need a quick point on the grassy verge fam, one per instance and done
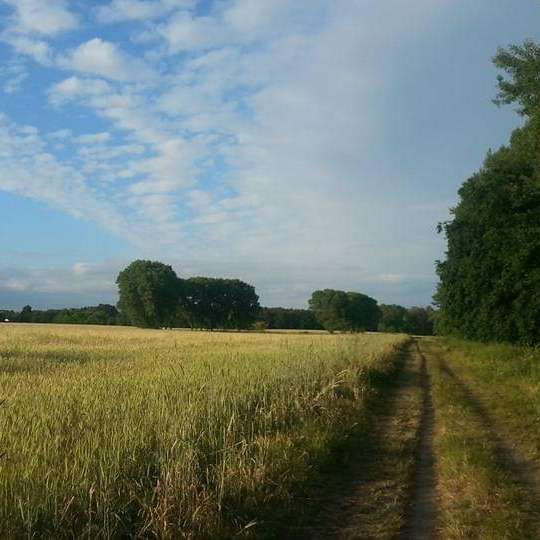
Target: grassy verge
(483, 487)
(508, 379)
(123, 432)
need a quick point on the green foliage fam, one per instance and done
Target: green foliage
(490, 281)
(26, 314)
(149, 293)
(420, 321)
(330, 308)
(415, 320)
(289, 319)
(522, 64)
(101, 314)
(393, 318)
(7, 314)
(217, 303)
(362, 312)
(345, 311)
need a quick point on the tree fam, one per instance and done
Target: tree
(522, 64)
(414, 320)
(419, 321)
(340, 310)
(26, 314)
(218, 303)
(362, 312)
(330, 308)
(393, 318)
(490, 281)
(289, 319)
(149, 293)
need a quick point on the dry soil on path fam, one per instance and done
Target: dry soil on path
(388, 490)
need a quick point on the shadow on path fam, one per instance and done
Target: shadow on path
(522, 471)
(421, 516)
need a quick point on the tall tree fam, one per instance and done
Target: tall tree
(362, 312)
(25, 314)
(490, 281)
(149, 293)
(330, 308)
(218, 303)
(522, 66)
(340, 310)
(419, 321)
(393, 318)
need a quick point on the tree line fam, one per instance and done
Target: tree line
(101, 314)
(489, 285)
(151, 295)
(419, 321)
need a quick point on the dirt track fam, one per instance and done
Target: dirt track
(389, 490)
(421, 518)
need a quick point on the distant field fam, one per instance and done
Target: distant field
(121, 432)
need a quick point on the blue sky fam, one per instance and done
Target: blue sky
(295, 144)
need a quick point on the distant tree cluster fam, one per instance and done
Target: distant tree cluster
(217, 303)
(288, 319)
(344, 311)
(418, 321)
(153, 296)
(490, 281)
(101, 314)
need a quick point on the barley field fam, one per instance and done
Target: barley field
(121, 432)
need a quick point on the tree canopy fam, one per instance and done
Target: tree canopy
(414, 320)
(490, 281)
(345, 311)
(149, 292)
(522, 66)
(288, 318)
(218, 303)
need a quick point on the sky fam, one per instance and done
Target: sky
(294, 144)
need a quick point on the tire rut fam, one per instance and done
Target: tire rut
(391, 487)
(421, 516)
(524, 471)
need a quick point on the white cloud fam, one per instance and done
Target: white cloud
(129, 10)
(170, 170)
(241, 22)
(75, 87)
(47, 17)
(28, 169)
(36, 49)
(13, 74)
(103, 58)
(185, 32)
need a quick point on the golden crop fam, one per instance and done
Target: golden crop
(110, 431)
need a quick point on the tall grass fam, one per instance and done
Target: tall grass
(125, 432)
